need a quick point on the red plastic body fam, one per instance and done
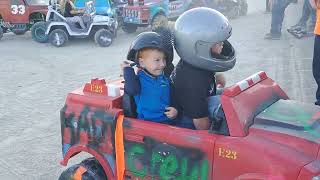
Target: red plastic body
(271, 137)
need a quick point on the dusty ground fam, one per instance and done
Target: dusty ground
(35, 79)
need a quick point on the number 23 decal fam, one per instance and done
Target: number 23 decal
(18, 9)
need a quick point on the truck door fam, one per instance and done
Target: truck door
(159, 151)
(18, 12)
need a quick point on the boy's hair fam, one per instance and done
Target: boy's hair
(140, 52)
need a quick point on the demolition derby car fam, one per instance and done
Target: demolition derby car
(19, 16)
(156, 13)
(57, 29)
(270, 137)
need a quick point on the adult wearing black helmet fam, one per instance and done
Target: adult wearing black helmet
(201, 42)
(150, 87)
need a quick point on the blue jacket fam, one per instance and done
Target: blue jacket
(151, 94)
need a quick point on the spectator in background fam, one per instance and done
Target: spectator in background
(316, 52)
(268, 8)
(70, 12)
(277, 11)
(307, 11)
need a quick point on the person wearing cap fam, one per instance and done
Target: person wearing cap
(200, 39)
(150, 87)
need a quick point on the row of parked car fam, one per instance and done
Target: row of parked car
(106, 16)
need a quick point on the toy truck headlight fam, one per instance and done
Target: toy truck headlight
(316, 178)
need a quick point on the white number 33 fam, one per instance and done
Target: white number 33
(18, 9)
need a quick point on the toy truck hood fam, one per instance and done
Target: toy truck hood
(292, 124)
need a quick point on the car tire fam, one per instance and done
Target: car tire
(58, 37)
(129, 28)
(243, 7)
(38, 32)
(103, 38)
(94, 169)
(1, 32)
(159, 20)
(69, 172)
(91, 170)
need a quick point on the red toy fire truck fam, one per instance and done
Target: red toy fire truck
(270, 137)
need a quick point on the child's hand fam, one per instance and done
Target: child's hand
(171, 112)
(125, 63)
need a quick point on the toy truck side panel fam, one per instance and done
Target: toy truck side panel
(88, 124)
(160, 151)
(256, 157)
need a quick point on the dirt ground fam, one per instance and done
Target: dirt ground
(35, 79)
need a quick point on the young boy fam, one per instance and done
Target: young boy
(150, 87)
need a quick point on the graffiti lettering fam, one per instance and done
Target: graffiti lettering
(164, 165)
(136, 150)
(93, 126)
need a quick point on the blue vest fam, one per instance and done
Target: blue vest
(154, 97)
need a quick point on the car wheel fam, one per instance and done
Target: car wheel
(88, 169)
(159, 21)
(38, 32)
(103, 37)
(58, 37)
(243, 7)
(129, 28)
(94, 170)
(69, 173)
(1, 32)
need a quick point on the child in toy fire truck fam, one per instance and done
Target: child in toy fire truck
(150, 87)
(200, 38)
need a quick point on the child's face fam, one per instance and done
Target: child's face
(153, 60)
(217, 48)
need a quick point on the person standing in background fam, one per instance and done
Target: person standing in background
(307, 11)
(316, 51)
(277, 11)
(268, 8)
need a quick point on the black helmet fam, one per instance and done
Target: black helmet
(149, 40)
